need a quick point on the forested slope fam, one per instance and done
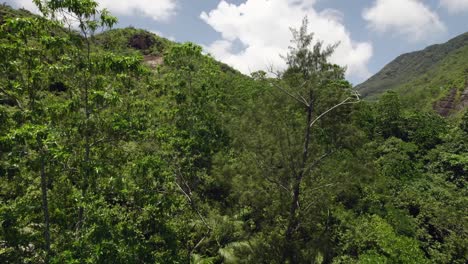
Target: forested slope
(107, 158)
(422, 77)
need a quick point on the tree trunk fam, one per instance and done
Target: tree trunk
(45, 209)
(293, 221)
(86, 158)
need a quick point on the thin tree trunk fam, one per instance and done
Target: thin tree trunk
(293, 221)
(45, 209)
(86, 159)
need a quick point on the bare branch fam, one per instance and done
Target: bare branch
(291, 95)
(345, 101)
(194, 207)
(317, 188)
(185, 193)
(178, 175)
(197, 245)
(298, 98)
(317, 161)
(277, 183)
(262, 166)
(304, 100)
(272, 71)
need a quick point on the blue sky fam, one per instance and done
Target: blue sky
(250, 34)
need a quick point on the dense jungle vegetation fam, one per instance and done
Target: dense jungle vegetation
(106, 159)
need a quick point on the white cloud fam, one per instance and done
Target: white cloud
(159, 33)
(26, 4)
(160, 10)
(262, 27)
(455, 6)
(409, 18)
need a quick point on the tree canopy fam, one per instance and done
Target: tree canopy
(107, 159)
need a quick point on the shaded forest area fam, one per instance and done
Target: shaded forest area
(105, 159)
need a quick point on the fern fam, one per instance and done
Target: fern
(197, 259)
(237, 252)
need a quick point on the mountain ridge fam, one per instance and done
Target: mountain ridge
(414, 73)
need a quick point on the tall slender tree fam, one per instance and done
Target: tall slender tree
(308, 75)
(27, 74)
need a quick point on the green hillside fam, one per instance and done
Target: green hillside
(422, 77)
(7, 12)
(123, 40)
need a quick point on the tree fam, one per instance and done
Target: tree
(318, 88)
(104, 160)
(29, 65)
(82, 14)
(67, 93)
(389, 118)
(194, 133)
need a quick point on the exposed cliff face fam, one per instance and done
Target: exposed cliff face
(446, 105)
(153, 61)
(454, 101)
(142, 41)
(464, 98)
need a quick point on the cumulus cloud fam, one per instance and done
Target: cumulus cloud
(455, 6)
(160, 10)
(159, 33)
(26, 4)
(409, 18)
(262, 30)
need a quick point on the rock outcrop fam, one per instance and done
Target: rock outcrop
(153, 61)
(453, 102)
(446, 105)
(142, 41)
(464, 98)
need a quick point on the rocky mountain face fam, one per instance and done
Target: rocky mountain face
(464, 98)
(454, 101)
(447, 104)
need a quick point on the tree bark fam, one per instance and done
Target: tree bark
(86, 158)
(45, 209)
(293, 221)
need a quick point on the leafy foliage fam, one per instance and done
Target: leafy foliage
(104, 159)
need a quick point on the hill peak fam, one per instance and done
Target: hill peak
(433, 72)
